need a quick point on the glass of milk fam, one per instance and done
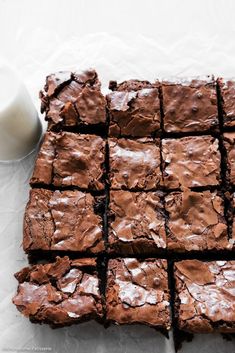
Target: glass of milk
(20, 127)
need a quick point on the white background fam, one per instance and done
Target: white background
(121, 39)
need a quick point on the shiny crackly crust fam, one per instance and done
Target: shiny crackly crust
(205, 296)
(191, 161)
(134, 164)
(62, 220)
(196, 221)
(71, 99)
(134, 108)
(67, 159)
(59, 293)
(229, 143)
(227, 90)
(190, 107)
(137, 223)
(131, 85)
(137, 292)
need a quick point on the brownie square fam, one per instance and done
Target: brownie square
(196, 222)
(62, 220)
(227, 101)
(60, 293)
(137, 292)
(190, 106)
(229, 143)
(204, 300)
(134, 164)
(73, 99)
(67, 159)
(136, 222)
(134, 109)
(192, 161)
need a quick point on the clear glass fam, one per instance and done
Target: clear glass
(20, 126)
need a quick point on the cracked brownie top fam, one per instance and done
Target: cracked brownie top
(191, 161)
(227, 100)
(190, 106)
(134, 108)
(196, 221)
(73, 99)
(205, 296)
(229, 143)
(59, 293)
(62, 220)
(134, 164)
(137, 223)
(137, 292)
(68, 159)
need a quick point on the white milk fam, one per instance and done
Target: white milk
(20, 127)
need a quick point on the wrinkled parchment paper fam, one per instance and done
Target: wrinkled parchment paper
(114, 57)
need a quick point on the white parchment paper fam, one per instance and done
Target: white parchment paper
(114, 57)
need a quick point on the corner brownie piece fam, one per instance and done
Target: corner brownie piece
(137, 292)
(227, 101)
(134, 164)
(62, 220)
(204, 300)
(196, 222)
(134, 108)
(73, 99)
(229, 143)
(136, 222)
(67, 159)
(191, 162)
(60, 293)
(190, 106)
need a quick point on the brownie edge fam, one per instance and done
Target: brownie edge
(73, 100)
(190, 106)
(205, 296)
(60, 293)
(67, 160)
(62, 221)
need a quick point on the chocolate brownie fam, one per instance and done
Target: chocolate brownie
(196, 221)
(190, 106)
(229, 143)
(227, 101)
(136, 222)
(134, 109)
(60, 293)
(192, 161)
(134, 164)
(67, 159)
(137, 292)
(62, 220)
(232, 221)
(131, 85)
(73, 99)
(205, 296)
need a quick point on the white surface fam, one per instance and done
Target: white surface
(142, 39)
